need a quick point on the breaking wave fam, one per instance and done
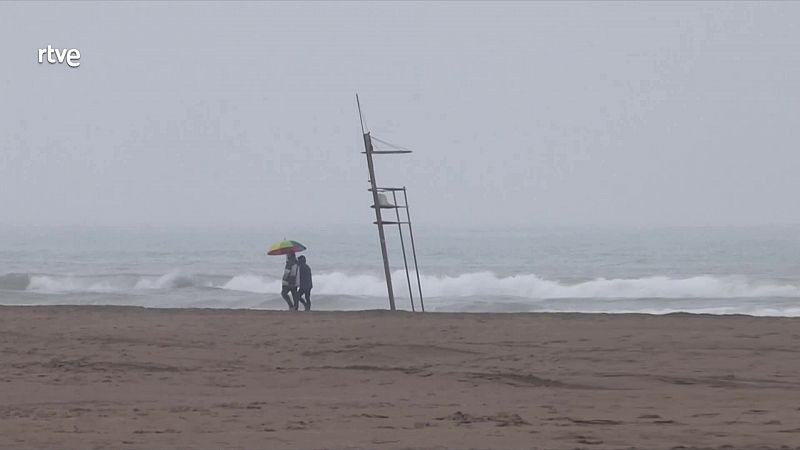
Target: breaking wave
(478, 284)
(469, 292)
(54, 284)
(486, 284)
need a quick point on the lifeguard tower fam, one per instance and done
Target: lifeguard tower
(380, 202)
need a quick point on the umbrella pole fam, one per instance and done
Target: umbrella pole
(403, 247)
(379, 221)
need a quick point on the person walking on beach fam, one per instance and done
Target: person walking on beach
(305, 284)
(290, 273)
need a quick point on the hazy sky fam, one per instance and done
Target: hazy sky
(519, 113)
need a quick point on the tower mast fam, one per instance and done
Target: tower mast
(378, 220)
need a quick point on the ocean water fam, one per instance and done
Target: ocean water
(711, 270)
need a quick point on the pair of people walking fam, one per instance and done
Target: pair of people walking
(297, 281)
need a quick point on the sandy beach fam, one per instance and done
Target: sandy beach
(89, 377)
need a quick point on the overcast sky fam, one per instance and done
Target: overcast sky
(519, 113)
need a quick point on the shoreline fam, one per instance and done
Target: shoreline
(133, 377)
(212, 310)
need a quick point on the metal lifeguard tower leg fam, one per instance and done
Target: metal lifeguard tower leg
(403, 247)
(413, 248)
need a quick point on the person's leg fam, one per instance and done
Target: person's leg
(305, 302)
(308, 299)
(295, 297)
(299, 298)
(285, 294)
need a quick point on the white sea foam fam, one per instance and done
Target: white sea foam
(57, 284)
(54, 284)
(531, 286)
(477, 284)
(172, 280)
(252, 283)
(469, 292)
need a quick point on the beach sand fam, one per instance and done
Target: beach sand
(124, 377)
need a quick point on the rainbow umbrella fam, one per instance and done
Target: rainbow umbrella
(285, 246)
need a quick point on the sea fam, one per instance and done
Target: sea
(653, 270)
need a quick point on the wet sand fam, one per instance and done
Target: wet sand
(84, 377)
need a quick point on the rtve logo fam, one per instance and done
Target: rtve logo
(55, 56)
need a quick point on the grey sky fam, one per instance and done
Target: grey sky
(519, 113)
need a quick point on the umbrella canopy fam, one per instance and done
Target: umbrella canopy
(285, 246)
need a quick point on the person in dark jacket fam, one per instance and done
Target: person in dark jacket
(305, 284)
(290, 273)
